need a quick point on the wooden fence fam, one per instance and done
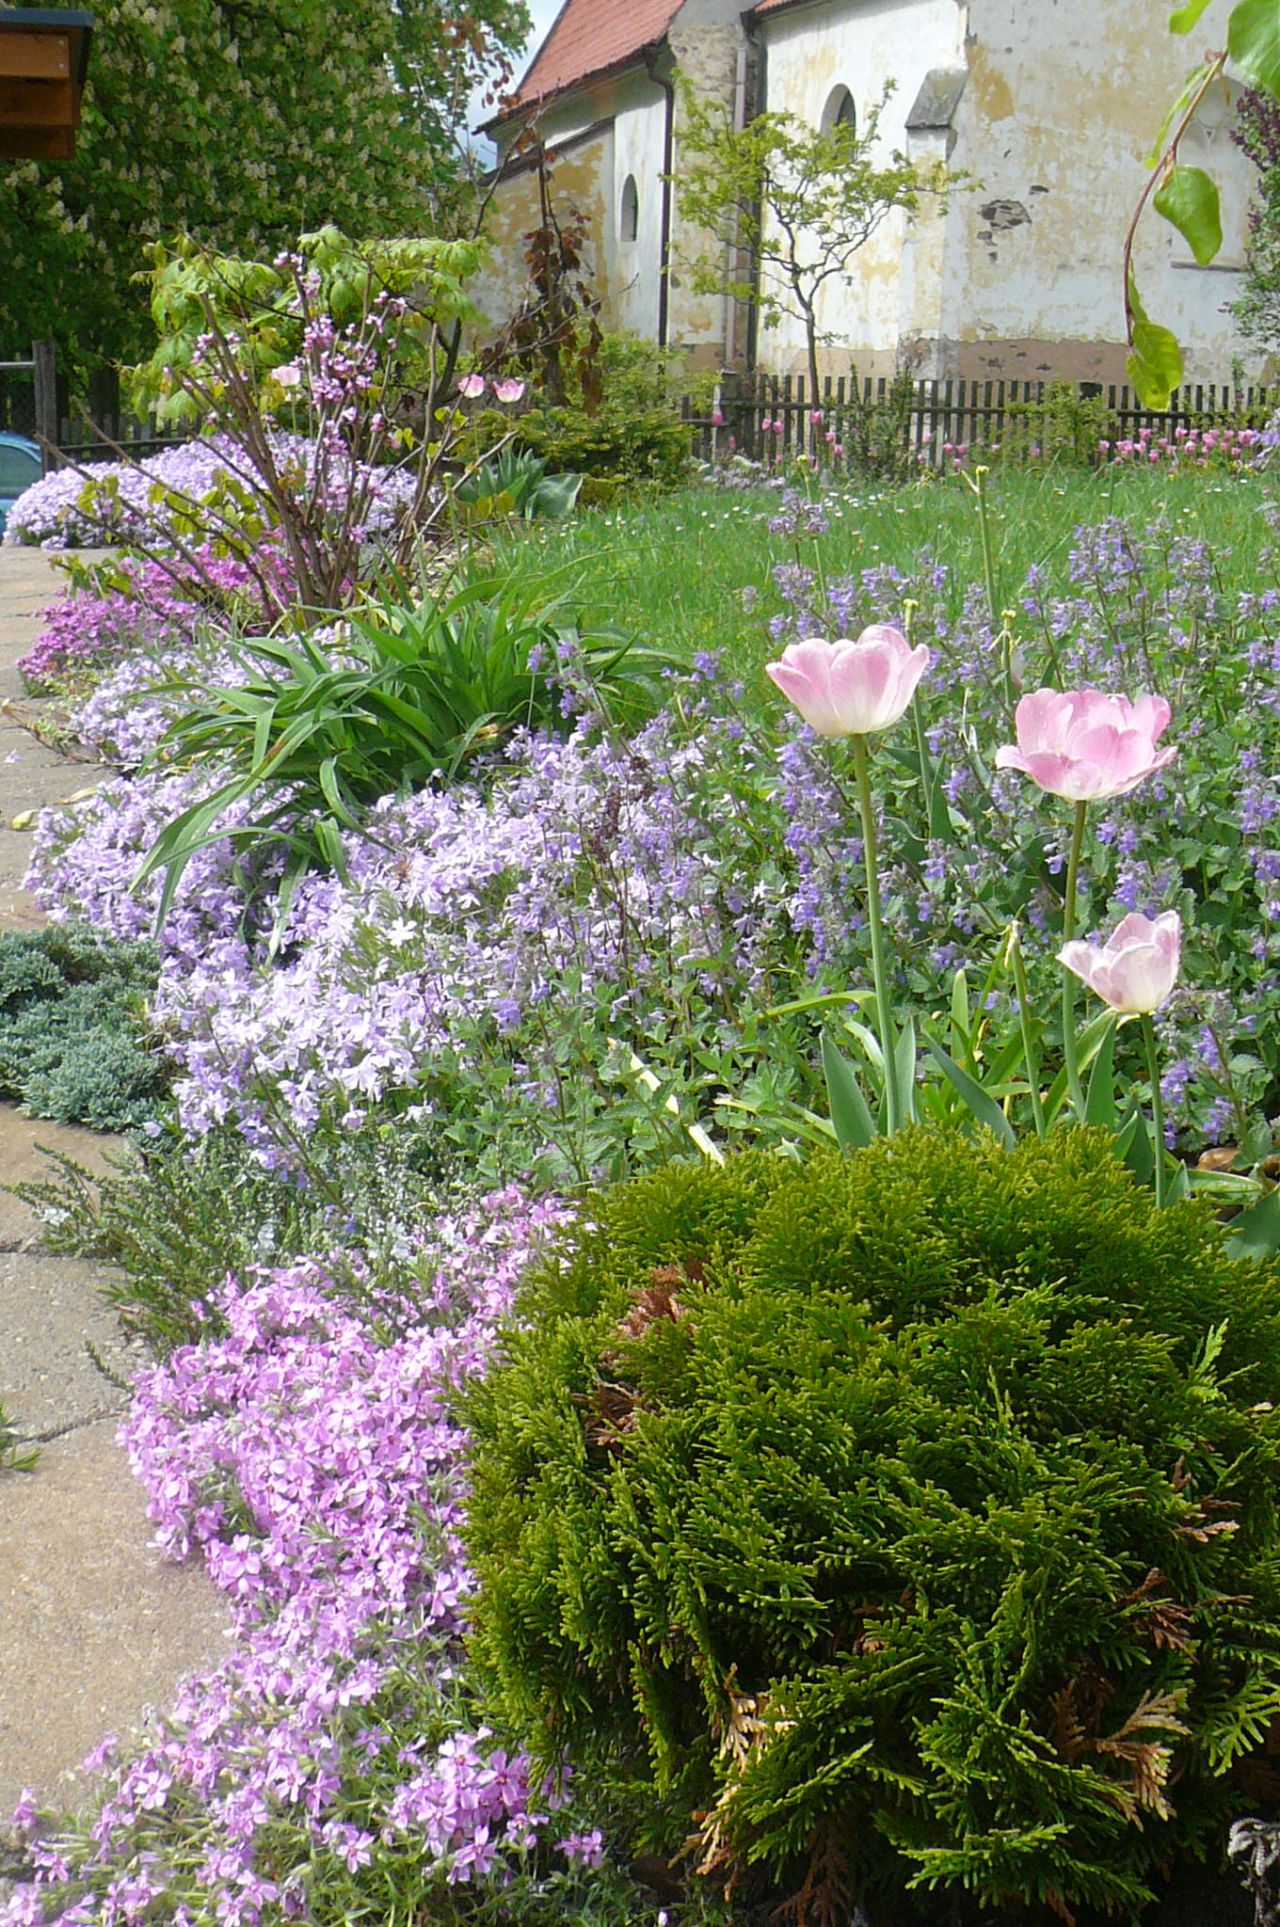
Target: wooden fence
(769, 417)
(34, 401)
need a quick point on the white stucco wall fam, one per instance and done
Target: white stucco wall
(639, 136)
(863, 45)
(1054, 126)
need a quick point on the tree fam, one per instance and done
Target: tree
(241, 123)
(1187, 197)
(787, 206)
(1257, 131)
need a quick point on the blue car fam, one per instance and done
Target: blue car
(20, 466)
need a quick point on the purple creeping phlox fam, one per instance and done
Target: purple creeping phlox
(309, 1456)
(115, 502)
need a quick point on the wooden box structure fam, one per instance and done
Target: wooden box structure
(44, 54)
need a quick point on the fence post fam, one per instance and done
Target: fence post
(44, 360)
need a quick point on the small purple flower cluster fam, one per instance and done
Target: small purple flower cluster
(153, 608)
(309, 1454)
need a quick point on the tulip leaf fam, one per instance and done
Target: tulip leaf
(1253, 41)
(1100, 1103)
(1188, 199)
(854, 1124)
(960, 1008)
(1256, 1232)
(1133, 1146)
(904, 1071)
(1155, 362)
(983, 1107)
(1179, 1185)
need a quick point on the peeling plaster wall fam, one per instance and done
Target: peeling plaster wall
(1053, 125)
(628, 117)
(862, 44)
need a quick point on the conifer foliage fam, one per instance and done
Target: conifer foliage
(896, 1529)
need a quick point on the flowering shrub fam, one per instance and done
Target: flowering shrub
(309, 1455)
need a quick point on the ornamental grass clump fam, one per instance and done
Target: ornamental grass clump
(898, 1530)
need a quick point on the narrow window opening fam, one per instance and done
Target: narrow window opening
(629, 217)
(840, 111)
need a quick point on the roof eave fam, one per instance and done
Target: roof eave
(530, 109)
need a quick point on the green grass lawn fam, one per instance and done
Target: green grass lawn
(675, 568)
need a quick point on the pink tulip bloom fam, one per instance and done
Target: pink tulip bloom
(851, 688)
(509, 390)
(717, 418)
(1086, 745)
(815, 416)
(1136, 968)
(472, 386)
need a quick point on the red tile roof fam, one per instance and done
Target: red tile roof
(773, 6)
(589, 36)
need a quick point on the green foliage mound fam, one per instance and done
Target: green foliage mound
(900, 1528)
(73, 1039)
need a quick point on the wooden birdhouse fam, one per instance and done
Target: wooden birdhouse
(44, 54)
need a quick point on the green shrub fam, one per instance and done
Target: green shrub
(902, 1523)
(74, 1044)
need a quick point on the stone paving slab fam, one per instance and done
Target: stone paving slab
(94, 1627)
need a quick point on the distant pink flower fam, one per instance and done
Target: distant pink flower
(1136, 968)
(509, 390)
(1085, 745)
(717, 418)
(815, 416)
(766, 426)
(289, 374)
(472, 387)
(851, 688)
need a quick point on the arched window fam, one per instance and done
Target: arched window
(629, 212)
(840, 111)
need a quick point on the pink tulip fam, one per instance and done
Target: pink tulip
(1136, 968)
(851, 688)
(717, 418)
(472, 386)
(509, 390)
(1086, 745)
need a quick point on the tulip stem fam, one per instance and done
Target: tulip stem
(1069, 1054)
(1023, 995)
(1157, 1107)
(879, 962)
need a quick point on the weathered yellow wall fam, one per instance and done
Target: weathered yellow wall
(1054, 125)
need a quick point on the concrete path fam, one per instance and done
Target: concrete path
(94, 1628)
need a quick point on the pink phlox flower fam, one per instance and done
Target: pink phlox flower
(1136, 968)
(1085, 745)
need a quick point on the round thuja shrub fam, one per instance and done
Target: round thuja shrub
(894, 1530)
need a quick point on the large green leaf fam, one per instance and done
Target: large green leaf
(1188, 198)
(1256, 1232)
(1184, 17)
(1253, 41)
(1155, 364)
(854, 1124)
